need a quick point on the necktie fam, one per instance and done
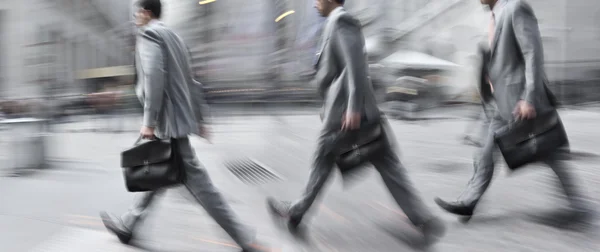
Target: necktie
(319, 44)
(492, 29)
(491, 32)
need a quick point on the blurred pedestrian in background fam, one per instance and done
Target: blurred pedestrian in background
(174, 108)
(349, 107)
(518, 85)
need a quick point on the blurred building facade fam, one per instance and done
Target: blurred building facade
(47, 44)
(66, 46)
(69, 46)
(452, 30)
(265, 43)
(235, 41)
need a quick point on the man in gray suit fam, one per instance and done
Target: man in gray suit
(516, 72)
(343, 81)
(174, 107)
(485, 92)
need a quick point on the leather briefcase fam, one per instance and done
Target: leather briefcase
(151, 165)
(528, 141)
(359, 146)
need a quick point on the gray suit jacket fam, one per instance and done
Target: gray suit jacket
(173, 101)
(516, 64)
(342, 72)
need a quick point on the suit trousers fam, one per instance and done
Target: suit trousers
(479, 127)
(388, 165)
(486, 156)
(199, 184)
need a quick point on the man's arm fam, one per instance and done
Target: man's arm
(347, 37)
(485, 87)
(153, 69)
(201, 109)
(200, 106)
(529, 40)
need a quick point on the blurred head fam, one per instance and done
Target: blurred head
(147, 10)
(488, 2)
(325, 7)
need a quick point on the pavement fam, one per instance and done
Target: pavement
(56, 209)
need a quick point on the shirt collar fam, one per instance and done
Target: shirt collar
(497, 10)
(336, 10)
(151, 23)
(329, 21)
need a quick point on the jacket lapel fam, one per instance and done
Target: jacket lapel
(497, 31)
(326, 34)
(323, 41)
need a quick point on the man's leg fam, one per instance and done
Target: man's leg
(321, 170)
(482, 175)
(559, 165)
(124, 227)
(476, 130)
(322, 167)
(395, 178)
(486, 120)
(139, 208)
(198, 182)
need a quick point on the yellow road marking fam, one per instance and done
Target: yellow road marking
(226, 244)
(86, 222)
(231, 245)
(333, 214)
(323, 245)
(396, 211)
(84, 217)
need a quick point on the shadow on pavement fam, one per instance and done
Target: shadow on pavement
(405, 234)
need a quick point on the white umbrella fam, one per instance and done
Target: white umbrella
(416, 60)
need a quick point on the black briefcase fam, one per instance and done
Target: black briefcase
(528, 141)
(151, 165)
(359, 146)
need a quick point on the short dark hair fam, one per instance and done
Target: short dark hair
(340, 1)
(154, 6)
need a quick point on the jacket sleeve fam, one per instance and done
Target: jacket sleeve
(153, 69)
(198, 99)
(350, 52)
(528, 38)
(485, 90)
(201, 108)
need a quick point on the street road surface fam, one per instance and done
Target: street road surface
(56, 209)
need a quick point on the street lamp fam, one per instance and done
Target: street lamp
(206, 1)
(284, 15)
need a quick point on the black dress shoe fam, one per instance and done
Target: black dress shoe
(457, 208)
(115, 225)
(433, 230)
(281, 210)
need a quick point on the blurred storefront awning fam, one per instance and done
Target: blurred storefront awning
(416, 60)
(374, 46)
(106, 72)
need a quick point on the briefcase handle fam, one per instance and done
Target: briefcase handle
(139, 139)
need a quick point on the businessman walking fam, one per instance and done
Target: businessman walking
(343, 82)
(477, 131)
(174, 107)
(516, 72)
